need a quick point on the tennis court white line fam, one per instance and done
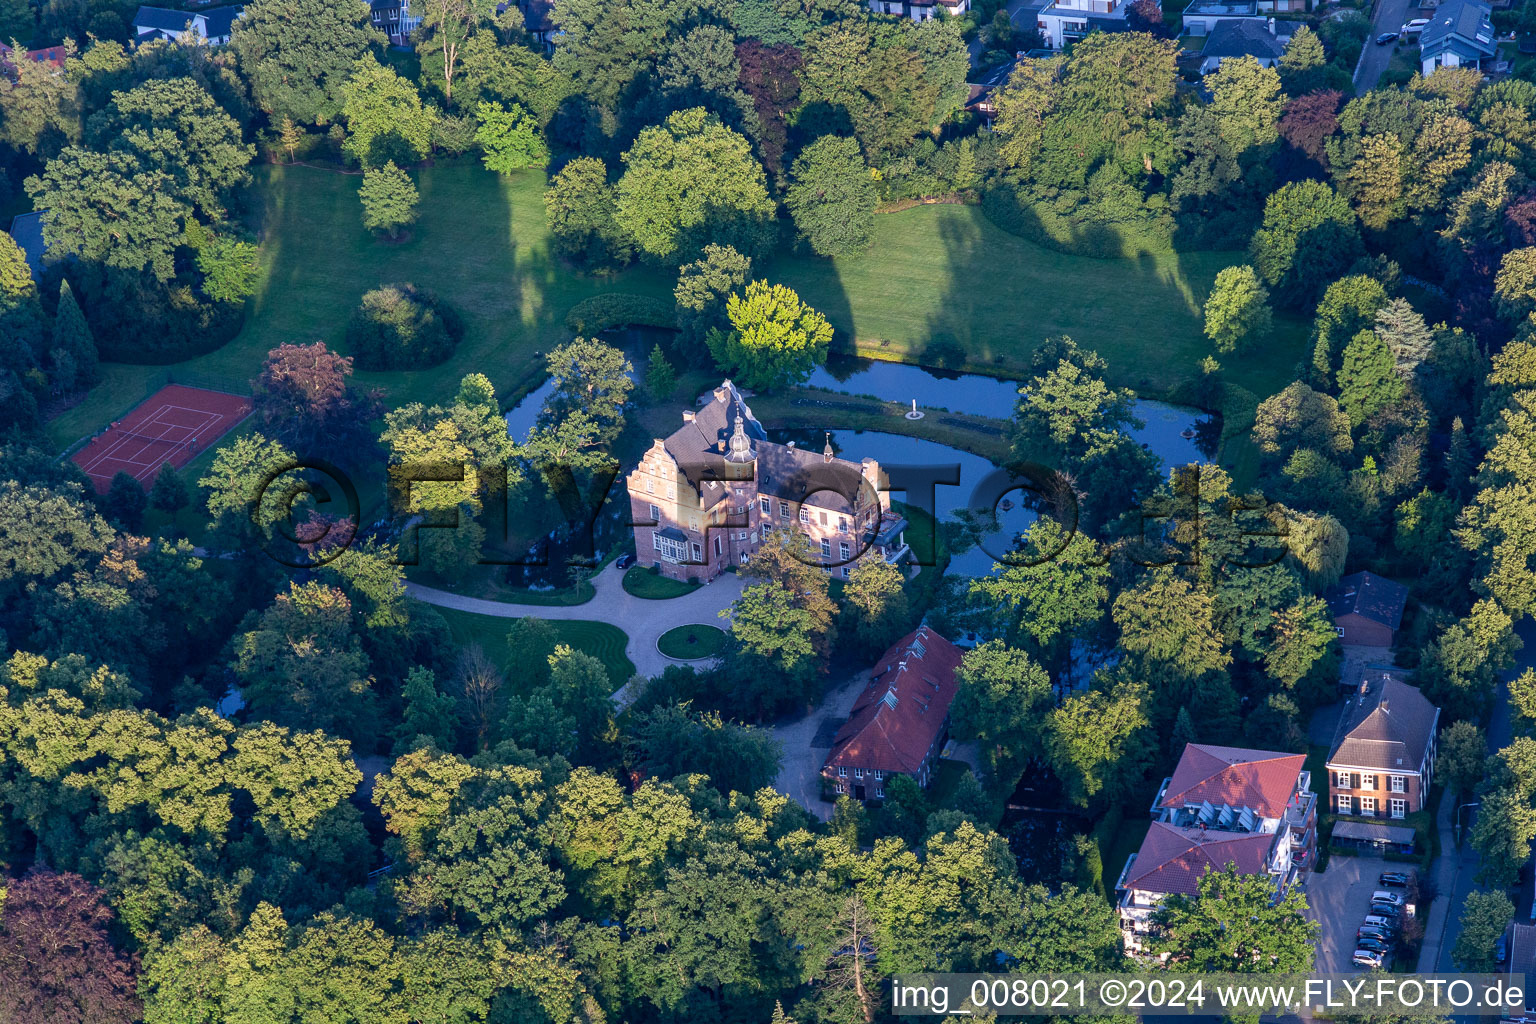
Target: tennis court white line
(145, 442)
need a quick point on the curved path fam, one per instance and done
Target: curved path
(641, 620)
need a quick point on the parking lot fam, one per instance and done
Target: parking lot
(1338, 900)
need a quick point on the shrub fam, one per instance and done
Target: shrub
(402, 327)
(620, 309)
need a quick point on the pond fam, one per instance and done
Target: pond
(1175, 434)
(636, 343)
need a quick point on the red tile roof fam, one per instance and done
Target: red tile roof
(1261, 779)
(900, 714)
(1172, 859)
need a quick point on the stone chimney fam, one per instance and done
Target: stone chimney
(687, 415)
(723, 392)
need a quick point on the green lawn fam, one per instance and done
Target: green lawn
(650, 585)
(691, 642)
(481, 244)
(944, 272)
(599, 639)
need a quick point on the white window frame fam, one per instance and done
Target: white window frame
(1399, 783)
(805, 515)
(1368, 806)
(655, 513)
(1344, 804)
(766, 505)
(783, 510)
(826, 548)
(846, 574)
(858, 773)
(842, 771)
(1398, 807)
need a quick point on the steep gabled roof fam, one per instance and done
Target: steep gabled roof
(1238, 777)
(219, 21)
(162, 19)
(902, 711)
(1172, 859)
(1369, 596)
(1388, 727)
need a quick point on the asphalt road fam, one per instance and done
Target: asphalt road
(1391, 15)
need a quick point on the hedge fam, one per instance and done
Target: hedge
(621, 309)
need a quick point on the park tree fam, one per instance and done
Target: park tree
(109, 208)
(660, 377)
(1406, 334)
(448, 25)
(1477, 213)
(1300, 418)
(690, 181)
(1515, 286)
(1100, 743)
(47, 532)
(298, 54)
(1003, 701)
(57, 961)
(604, 44)
(1031, 94)
(1308, 237)
(1302, 63)
(169, 493)
(1237, 311)
(389, 199)
(591, 379)
(770, 76)
(1054, 592)
(1169, 625)
(775, 340)
(580, 208)
(236, 485)
(1301, 636)
(876, 599)
(703, 287)
(1439, 158)
(1502, 834)
(385, 117)
(1235, 924)
(72, 336)
(1368, 378)
(1522, 697)
(1484, 917)
(832, 197)
(230, 267)
(304, 667)
(671, 741)
(175, 131)
(303, 399)
(1374, 181)
(125, 502)
(1246, 99)
(1462, 757)
(510, 138)
(1348, 306)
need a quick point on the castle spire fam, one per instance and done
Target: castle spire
(740, 444)
(826, 453)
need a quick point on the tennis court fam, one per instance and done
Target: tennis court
(172, 425)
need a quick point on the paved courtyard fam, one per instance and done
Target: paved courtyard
(806, 741)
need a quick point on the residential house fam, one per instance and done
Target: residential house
(538, 21)
(212, 26)
(53, 55)
(980, 94)
(920, 10)
(1202, 16)
(1234, 38)
(1383, 754)
(1253, 809)
(1460, 34)
(395, 19)
(900, 722)
(1367, 609)
(705, 497)
(1521, 939)
(1062, 22)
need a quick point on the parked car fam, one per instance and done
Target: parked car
(1374, 945)
(1395, 879)
(1378, 921)
(625, 561)
(1367, 958)
(1415, 27)
(1385, 38)
(1394, 899)
(1369, 932)
(1501, 950)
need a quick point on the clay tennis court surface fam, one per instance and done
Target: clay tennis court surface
(173, 425)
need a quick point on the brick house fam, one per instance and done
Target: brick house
(1254, 809)
(1367, 609)
(704, 498)
(1382, 759)
(900, 722)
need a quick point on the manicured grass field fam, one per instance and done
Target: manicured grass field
(652, 586)
(603, 641)
(707, 641)
(932, 274)
(947, 273)
(481, 243)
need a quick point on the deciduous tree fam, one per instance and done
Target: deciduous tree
(832, 197)
(776, 339)
(1237, 311)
